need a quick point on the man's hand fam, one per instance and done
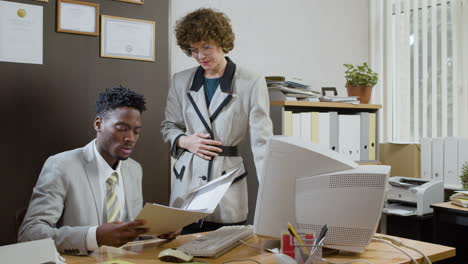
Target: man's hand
(199, 145)
(118, 233)
(170, 236)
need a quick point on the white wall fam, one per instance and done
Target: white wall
(309, 39)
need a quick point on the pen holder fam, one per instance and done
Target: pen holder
(306, 253)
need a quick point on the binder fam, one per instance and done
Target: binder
(372, 136)
(451, 163)
(438, 159)
(324, 129)
(288, 123)
(426, 158)
(462, 156)
(349, 137)
(355, 144)
(364, 135)
(334, 131)
(296, 130)
(314, 132)
(306, 123)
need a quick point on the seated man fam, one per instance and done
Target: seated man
(88, 197)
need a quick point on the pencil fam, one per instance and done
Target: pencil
(293, 232)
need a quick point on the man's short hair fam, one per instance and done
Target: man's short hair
(113, 98)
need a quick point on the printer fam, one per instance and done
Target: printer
(412, 196)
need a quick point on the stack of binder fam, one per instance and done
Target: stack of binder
(352, 135)
(443, 158)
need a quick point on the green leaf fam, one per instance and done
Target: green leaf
(360, 75)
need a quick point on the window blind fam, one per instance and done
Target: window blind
(424, 57)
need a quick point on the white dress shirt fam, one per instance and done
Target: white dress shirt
(104, 171)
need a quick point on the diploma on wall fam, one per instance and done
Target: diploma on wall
(198, 204)
(127, 38)
(78, 17)
(20, 33)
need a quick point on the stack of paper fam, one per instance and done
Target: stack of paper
(342, 99)
(281, 89)
(460, 198)
(198, 204)
(32, 252)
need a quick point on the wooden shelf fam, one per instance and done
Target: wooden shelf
(327, 105)
(369, 163)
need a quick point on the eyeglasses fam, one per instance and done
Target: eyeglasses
(205, 50)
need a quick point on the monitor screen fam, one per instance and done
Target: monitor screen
(309, 185)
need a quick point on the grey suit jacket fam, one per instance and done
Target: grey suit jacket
(66, 200)
(240, 107)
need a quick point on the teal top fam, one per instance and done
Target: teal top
(210, 88)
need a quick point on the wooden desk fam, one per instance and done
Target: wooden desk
(451, 228)
(145, 252)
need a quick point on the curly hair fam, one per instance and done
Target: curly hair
(205, 24)
(113, 98)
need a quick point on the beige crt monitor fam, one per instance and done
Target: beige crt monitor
(309, 186)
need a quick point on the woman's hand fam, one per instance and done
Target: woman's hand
(199, 145)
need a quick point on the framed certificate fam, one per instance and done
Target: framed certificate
(42, 0)
(78, 17)
(140, 2)
(21, 33)
(127, 38)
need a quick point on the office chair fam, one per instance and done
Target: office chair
(19, 217)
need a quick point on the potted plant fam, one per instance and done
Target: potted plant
(464, 176)
(359, 81)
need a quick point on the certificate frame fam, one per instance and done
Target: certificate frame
(75, 28)
(136, 43)
(138, 2)
(45, 1)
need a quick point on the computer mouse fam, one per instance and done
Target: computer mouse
(174, 255)
(284, 259)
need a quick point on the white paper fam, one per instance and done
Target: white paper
(77, 17)
(128, 38)
(209, 195)
(198, 204)
(398, 209)
(21, 33)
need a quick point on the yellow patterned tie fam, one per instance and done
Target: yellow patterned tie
(112, 203)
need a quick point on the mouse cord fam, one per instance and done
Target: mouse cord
(252, 245)
(400, 243)
(397, 247)
(242, 260)
(347, 262)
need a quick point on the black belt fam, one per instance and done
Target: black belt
(228, 151)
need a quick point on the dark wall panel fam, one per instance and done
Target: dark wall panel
(49, 108)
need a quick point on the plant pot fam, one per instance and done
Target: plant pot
(363, 91)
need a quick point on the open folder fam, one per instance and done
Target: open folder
(198, 204)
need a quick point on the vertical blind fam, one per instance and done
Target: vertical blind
(424, 68)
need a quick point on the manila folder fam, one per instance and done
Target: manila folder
(163, 219)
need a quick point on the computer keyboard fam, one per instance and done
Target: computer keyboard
(218, 242)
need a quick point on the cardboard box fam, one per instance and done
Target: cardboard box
(405, 159)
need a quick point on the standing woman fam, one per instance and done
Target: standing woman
(210, 109)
